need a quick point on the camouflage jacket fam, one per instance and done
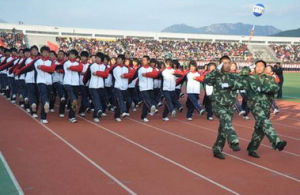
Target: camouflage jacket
(268, 88)
(224, 97)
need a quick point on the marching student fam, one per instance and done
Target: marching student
(270, 72)
(44, 67)
(132, 89)
(9, 61)
(110, 98)
(84, 90)
(57, 79)
(120, 76)
(145, 74)
(178, 87)
(29, 71)
(22, 91)
(193, 86)
(206, 100)
(169, 84)
(96, 86)
(156, 82)
(71, 82)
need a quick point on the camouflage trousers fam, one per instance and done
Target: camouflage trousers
(226, 130)
(263, 126)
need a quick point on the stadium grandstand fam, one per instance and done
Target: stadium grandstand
(184, 47)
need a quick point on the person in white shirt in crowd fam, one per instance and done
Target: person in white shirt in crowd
(44, 68)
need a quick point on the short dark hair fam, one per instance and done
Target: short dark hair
(26, 50)
(176, 63)
(34, 47)
(73, 51)
(53, 52)
(224, 57)
(100, 55)
(169, 61)
(147, 57)
(84, 54)
(61, 51)
(211, 64)
(106, 57)
(193, 63)
(258, 61)
(45, 48)
(13, 50)
(121, 56)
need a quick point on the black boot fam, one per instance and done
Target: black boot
(253, 154)
(235, 147)
(280, 145)
(219, 155)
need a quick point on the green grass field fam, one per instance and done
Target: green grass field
(8, 184)
(291, 87)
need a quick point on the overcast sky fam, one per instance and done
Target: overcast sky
(151, 15)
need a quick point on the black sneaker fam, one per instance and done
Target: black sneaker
(253, 154)
(280, 145)
(219, 155)
(235, 147)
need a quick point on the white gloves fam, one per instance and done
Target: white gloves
(224, 85)
(219, 67)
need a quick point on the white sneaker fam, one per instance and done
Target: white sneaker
(28, 110)
(103, 114)
(189, 119)
(180, 109)
(173, 113)
(134, 109)
(124, 114)
(44, 121)
(61, 115)
(246, 117)
(159, 104)
(13, 101)
(62, 99)
(276, 111)
(202, 111)
(96, 120)
(52, 110)
(166, 119)
(152, 110)
(132, 105)
(210, 118)
(35, 115)
(242, 112)
(22, 105)
(33, 107)
(73, 120)
(82, 114)
(118, 119)
(46, 107)
(145, 120)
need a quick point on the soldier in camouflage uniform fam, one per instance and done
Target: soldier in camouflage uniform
(261, 89)
(225, 86)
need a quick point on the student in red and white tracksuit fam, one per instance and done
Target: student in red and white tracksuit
(84, 90)
(29, 71)
(169, 83)
(96, 86)
(108, 83)
(193, 86)
(120, 78)
(145, 74)
(269, 71)
(57, 79)
(71, 82)
(44, 68)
